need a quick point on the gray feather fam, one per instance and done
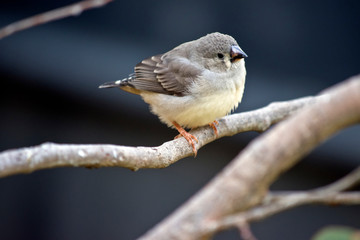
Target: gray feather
(165, 74)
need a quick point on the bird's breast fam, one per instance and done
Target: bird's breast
(209, 99)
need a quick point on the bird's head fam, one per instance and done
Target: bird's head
(217, 52)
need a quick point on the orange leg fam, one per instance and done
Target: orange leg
(213, 125)
(190, 138)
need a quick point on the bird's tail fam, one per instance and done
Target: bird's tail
(118, 83)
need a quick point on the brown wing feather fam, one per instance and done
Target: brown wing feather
(145, 78)
(176, 75)
(164, 74)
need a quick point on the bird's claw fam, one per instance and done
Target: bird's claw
(213, 126)
(189, 137)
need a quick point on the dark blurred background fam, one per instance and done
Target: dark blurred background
(49, 92)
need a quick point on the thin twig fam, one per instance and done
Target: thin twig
(280, 202)
(347, 182)
(277, 202)
(56, 14)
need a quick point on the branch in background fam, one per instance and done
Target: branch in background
(280, 201)
(71, 10)
(275, 203)
(244, 183)
(347, 182)
(49, 155)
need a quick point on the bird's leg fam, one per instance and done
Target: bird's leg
(190, 138)
(213, 125)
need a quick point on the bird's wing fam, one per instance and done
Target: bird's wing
(165, 74)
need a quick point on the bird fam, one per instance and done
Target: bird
(192, 85)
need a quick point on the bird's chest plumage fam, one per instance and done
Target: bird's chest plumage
(206, 109)
(212, 96)
(194, 111)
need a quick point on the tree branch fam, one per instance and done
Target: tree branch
(244, 183)
(347, 182)
(49, 155)
(280, 201)
(56, 14)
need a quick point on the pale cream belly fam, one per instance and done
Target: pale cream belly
(192, 112)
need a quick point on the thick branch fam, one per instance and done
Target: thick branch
(244, 182)
(56, 14)
(49, 155)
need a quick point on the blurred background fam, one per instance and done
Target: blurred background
(49, 92)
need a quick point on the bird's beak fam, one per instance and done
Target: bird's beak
(236, 53)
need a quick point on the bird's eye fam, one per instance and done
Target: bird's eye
(220, 55)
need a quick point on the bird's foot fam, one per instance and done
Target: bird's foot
(189, 137)
(213, 125)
